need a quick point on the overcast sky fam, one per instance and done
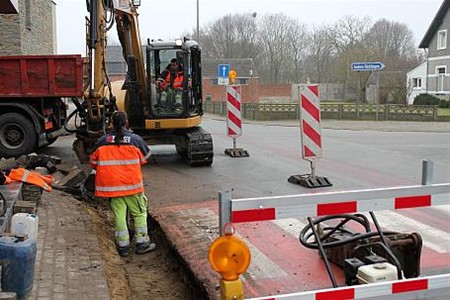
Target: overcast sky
(170, 18)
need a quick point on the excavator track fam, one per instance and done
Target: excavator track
(196, 147)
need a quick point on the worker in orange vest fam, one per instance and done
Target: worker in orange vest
(117, 159)
(168, 76)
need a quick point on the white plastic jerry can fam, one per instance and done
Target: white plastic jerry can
(23, 223)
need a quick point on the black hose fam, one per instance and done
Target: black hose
(322, 252)
(70, 116)
(359, 218)
(305, 235)
(108, 5)
(387, 247)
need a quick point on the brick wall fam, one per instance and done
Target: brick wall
(250, 92)
(30, 32)
(9, 43)
(275, 90)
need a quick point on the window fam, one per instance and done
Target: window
(242, 80)
(440, 71)
(215, 81)
(442, 39)
(417, 83)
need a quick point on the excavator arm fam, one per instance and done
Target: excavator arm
(98, 103)
(137, 102)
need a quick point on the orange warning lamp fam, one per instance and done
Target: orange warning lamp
(232, 76)
(229, 256)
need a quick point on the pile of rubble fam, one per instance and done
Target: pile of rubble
(67, 177)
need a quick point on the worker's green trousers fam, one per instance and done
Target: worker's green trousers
(137, 206)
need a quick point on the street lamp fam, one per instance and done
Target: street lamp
(198, 19)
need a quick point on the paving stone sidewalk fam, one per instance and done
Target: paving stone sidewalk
(68, 260)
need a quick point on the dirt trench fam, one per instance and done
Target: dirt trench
(155, 275)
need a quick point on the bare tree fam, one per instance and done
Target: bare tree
(349, 32)
(232, 36)
(275, 43)
(225, 38)
(347, 35)
(391, 42)
(298, 40)
(320, 50)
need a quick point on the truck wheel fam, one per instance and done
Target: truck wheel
(17, 135)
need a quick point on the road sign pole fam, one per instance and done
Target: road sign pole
(378, 93)
(359, 95)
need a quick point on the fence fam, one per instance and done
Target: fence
(339, 111)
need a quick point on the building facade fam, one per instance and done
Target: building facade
(437, 44)
(416, 82)
(30, 32)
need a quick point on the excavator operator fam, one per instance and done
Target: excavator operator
(171, 77)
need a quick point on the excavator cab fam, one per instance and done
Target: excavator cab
(180, 94)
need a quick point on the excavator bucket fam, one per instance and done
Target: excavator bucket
(236, 152)
(310, 181)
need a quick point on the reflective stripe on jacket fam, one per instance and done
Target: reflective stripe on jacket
(24, 175)
(118, 168)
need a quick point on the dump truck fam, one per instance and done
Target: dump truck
(33, 89)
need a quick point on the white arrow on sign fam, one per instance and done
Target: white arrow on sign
(224, 71)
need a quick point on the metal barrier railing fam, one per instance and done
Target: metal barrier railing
(344, 202)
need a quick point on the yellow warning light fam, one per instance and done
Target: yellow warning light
(232, 76)
(229, 256)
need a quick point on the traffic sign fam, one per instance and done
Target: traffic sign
(223, 70)
(367, 66)
(223, 81)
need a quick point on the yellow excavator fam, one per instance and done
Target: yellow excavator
(169, 116)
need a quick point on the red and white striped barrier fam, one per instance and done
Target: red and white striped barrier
(332, 203)
(311, 136)
(234, 119)
(310, 126)
(414, 287)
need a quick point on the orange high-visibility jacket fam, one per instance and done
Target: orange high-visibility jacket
(24, 175)
(118, 166)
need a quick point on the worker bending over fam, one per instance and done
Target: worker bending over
(117, 159)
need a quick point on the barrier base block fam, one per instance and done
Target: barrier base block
(309, 181)
(236, 152)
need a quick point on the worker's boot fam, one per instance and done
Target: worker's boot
(146, 247)
(123, 251)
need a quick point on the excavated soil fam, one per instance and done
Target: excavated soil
(154, 275)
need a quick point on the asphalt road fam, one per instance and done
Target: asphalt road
(352, 159)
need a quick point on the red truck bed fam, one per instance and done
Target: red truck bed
(41, 76)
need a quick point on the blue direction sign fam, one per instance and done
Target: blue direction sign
(223, 70)
(367, 66)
